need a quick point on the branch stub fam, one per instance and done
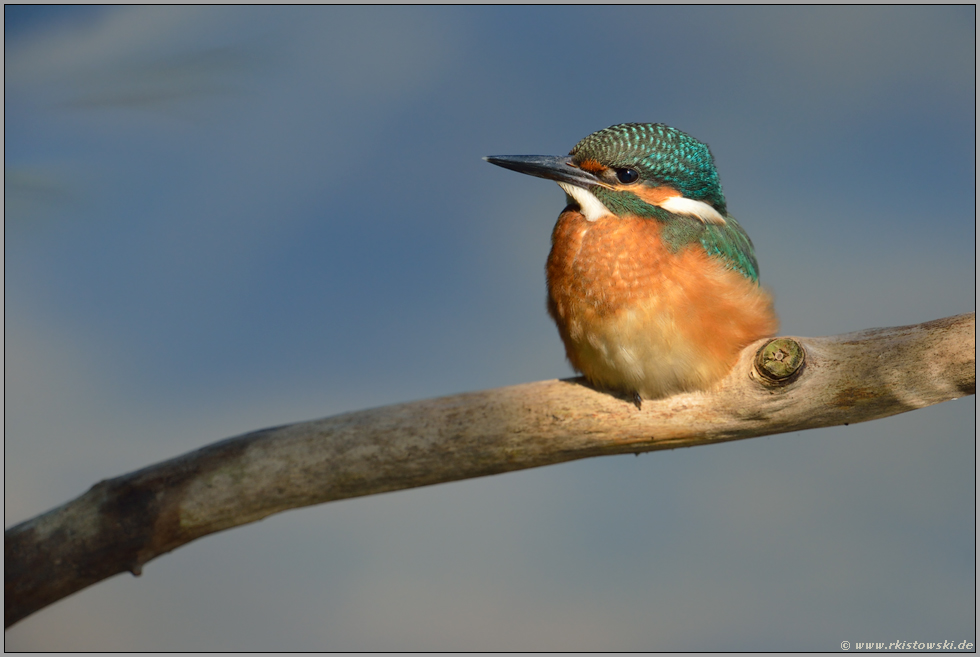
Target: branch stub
(780, 360)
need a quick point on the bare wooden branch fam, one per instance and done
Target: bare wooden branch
(782, 385)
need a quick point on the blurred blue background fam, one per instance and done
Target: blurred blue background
(220, 219)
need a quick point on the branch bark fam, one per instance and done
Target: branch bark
(780, 385)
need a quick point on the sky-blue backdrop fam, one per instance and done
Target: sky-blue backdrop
(221, 219)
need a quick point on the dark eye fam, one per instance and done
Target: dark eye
(627, 176)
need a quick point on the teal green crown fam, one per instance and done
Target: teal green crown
(661, 155)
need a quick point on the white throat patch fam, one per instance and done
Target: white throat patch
(592, 208)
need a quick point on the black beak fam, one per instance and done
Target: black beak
(559, 168)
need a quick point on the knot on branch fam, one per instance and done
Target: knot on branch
(780, 361)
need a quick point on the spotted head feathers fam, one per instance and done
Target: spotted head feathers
(663, 156)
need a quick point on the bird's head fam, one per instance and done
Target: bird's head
(638, 169)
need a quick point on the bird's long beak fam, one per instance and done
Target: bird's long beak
(559, 168)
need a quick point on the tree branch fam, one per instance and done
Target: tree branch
(777, 386)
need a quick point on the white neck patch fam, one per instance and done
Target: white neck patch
(699, 209)
(592, 208)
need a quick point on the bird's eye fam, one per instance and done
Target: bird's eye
(627, 176)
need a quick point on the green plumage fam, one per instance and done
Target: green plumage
(667, 157)
(729, 242)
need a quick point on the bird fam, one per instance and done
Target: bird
(653, 286)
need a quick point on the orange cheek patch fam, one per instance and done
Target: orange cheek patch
(652, 195)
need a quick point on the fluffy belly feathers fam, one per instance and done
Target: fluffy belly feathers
(638, 318)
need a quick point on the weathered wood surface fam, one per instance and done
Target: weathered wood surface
(800, 383)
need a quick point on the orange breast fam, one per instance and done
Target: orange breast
(636, 317)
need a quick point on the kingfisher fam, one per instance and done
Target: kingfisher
(654, 287)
